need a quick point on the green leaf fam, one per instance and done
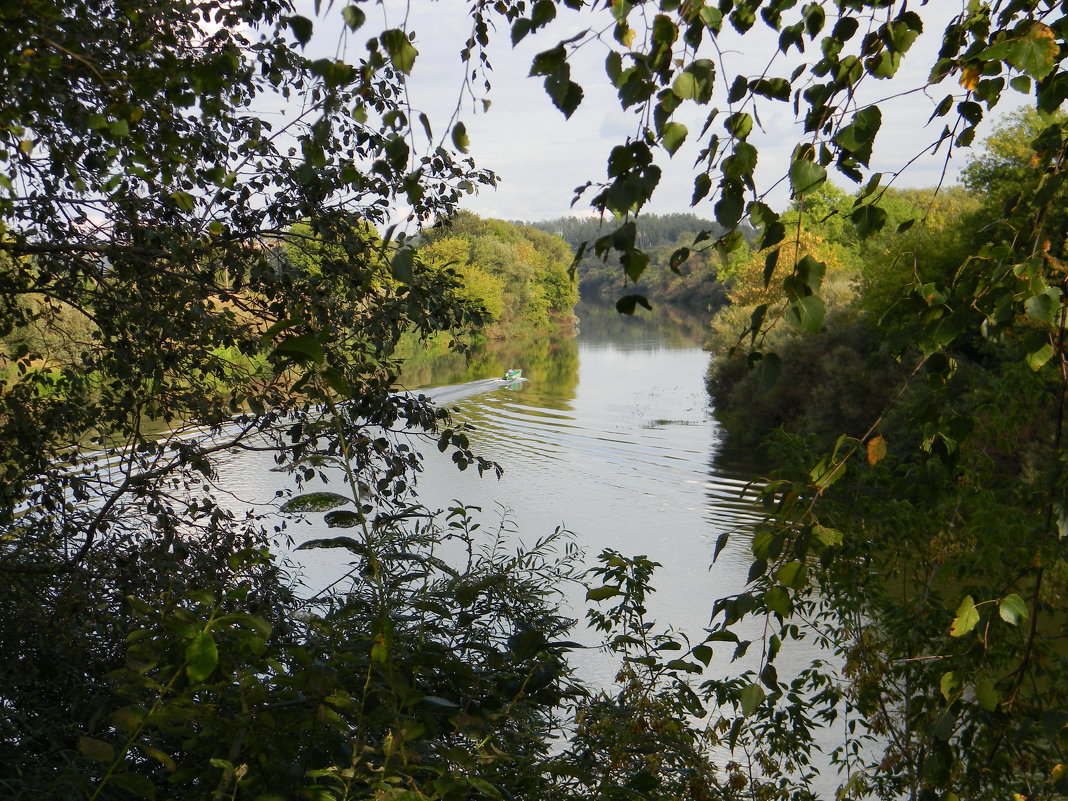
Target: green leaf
(401, 51)
(520, 28)
(674, 134)
(634, 263)
(986, 694)
(806, 314)
(127, 718)
(1037, 358)
(565, 93)
(728, 208)
(685, 85)
(684, 665)
(1044, 306)
(1013, 609)
(751, 698)
(951, 684)
(133, 783)
(96, 749)
(859, 135)
(334, 542)
(1036, 53)
(792, 574)
(549, 61)
(739, 87)
(201, 657)
(777, 600)
(739, 125)
(628, 304)
(354, 17)
(702, 184)
(303, 347)
(601, 593)
(402, 266)
(315, 502)
(302, 29)
(484, 787)
(439, 702)
(459, 137)
(342, 519)
(967, 618)
(183, 200)
(868, 219)
(805, 176)
(775, 88)
(828, 536)
(163, 758)
(1021, 83)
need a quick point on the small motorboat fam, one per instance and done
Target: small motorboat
(512, 375)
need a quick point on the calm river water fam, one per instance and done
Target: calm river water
(610, 436)
(613, 438)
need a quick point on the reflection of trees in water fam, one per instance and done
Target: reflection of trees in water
(674, 326)
(550, 362)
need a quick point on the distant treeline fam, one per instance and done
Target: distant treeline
(693, 283)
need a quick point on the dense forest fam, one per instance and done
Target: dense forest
(953, 407)
(517, 274)
(208, 228)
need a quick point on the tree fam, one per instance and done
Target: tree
(521, 273)
(182, 278)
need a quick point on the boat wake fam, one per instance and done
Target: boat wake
(448, 395)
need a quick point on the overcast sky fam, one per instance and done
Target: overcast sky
(540, 157)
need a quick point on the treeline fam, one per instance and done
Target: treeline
(693, 283)
(517, 274)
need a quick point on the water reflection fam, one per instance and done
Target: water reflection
(549, 361)
(613, 437)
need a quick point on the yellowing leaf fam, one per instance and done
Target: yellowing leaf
(969, 79)
(950, 684)
(876, 449)
(967, 618)
(1036, 53)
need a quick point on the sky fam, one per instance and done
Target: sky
(540, 157)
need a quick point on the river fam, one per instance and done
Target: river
(613, 438)
(610, 435)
